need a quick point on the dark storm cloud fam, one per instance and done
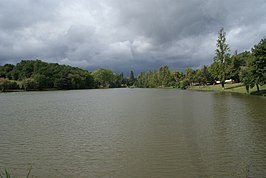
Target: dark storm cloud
(124, 34)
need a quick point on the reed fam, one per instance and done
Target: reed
(7, 174)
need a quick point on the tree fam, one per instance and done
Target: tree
(246, 77)
(221, 55)
(259, 64)
(3, 84)
(213, 70)
(28, 84)
(40, 81)
(6, 84)
(150, 79)
(116, 81)
(103, 77)
(164, 76)
(176, 76)
(235, 63)
(155, 78)
(5, 71)
(141, 80)
(189, 76)
(183, 84)
(131, 78)
(206, 76)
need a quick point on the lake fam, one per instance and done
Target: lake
(132, 133)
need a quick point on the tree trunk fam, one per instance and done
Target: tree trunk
(247, 88)
(258, 88)
(222, 85)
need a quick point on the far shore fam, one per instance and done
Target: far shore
(232, 88)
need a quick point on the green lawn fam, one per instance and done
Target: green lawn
(235, 88)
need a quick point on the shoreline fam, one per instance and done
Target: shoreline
(230, 88)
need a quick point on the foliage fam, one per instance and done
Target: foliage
(5, 70)
(184, 84)
(214, 71)
(259, 64)
(141, 80)
(247, 78)
(117, 80)
(131, 78)
(221, 55)
(164, 76)
(235, 63)
(28, 84)
(6, 84)
(38, 75)
(176, 76)
(246, 73)
(189, 75)
(103, 77)
(153, 79)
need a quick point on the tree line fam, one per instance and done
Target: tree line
(39, 75)
(248, 67)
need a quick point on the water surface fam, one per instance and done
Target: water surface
(132, 133)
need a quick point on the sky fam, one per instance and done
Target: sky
(124, 35)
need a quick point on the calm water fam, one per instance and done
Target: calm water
(132, 133)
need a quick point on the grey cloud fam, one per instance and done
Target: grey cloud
(124, 34)
(16, 14)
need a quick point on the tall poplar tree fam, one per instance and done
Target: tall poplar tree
(131, 78)
(221, 54)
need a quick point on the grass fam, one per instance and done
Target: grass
(7, 174)
(233, 88)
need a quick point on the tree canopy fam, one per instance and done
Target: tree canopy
(221, 56)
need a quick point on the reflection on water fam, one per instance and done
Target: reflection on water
(132, 133)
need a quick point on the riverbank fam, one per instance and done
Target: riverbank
(233, 88)
(21, 90)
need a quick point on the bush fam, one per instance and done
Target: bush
(183, 84)
(6, 84)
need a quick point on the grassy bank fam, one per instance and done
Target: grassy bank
(233, 88)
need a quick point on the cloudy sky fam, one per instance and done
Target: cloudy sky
(125, 35)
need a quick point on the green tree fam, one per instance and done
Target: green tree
(141, 80)
(164, 76)
(28, 84)
(213, 70)
(235, 63)
(259, 64)
(189, 76)
(150, 79)
(206, 76)
(40, 81)
(103, 77)
(2, 72)
(5, 71)
(116, 81)
(183, 84)
(176, 76)
(4, 84)
(247, 77)
(131, 78)
(221, 55)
